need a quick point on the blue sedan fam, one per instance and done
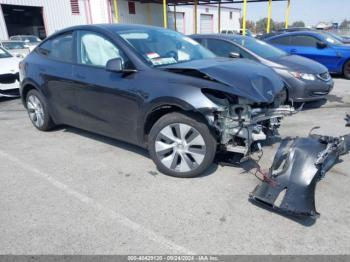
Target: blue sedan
(321, 47)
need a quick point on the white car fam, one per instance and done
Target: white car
(9, 74)
(31, 40)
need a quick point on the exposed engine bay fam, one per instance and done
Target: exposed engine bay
(289, 186)
(242, 124)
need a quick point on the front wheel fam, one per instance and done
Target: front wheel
(346, 70)
(181, 146)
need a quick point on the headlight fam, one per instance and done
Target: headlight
(304, 76)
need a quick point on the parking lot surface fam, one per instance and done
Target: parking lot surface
(73, 192)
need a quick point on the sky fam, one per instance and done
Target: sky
(310, 11)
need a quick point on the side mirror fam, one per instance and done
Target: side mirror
(115, 65)
(26, 41)
(321, 45)
(234, 55)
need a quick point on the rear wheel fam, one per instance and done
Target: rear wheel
(346, 70)
(181, 146)
(38, 111)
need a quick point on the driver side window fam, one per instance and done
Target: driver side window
(96, 50)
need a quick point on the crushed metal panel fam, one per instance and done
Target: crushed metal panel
(299, 164)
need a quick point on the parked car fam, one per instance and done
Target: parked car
(17, 48)
(9, 76)
(31, 40)
(306, 80)
(240, 32)
(318, 46)
(154, 88)
(342, 39)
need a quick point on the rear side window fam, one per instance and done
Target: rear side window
(304, 40)
(285, 40)
(58, 48)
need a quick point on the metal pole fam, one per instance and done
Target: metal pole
(175, 27)
(269, 17)
(195, 16)
(219, 17)
(149, 14)
(165, 15)
(287, 14)
(244, 17)
(116, 11)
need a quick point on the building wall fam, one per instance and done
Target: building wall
(57, 14)
(226, 22)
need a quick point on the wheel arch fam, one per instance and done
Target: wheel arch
(26, 87)
(161, 109)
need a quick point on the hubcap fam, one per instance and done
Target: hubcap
(180, 147)
(35, 110)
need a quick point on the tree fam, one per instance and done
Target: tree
(250, 25)
(298, 24)
(345, 24)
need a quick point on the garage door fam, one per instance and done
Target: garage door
(24, 20)
(180, 21)
(206, 24)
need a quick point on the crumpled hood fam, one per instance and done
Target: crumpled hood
(243, 77)
(9, 65)
(300, 64)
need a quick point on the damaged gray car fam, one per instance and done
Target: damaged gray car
(154, 88)
(289, 186)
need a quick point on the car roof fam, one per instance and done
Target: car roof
(11, 41)
(305, 32)
(109, 27)
(228, 37)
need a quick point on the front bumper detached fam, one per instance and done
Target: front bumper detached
(299, 164)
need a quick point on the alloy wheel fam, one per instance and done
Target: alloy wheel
(35, 110)
(180, 147)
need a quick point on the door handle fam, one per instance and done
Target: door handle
(293, 50)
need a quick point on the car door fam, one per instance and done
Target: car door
(281, 42)
(308, 46)
(54, 66)
(108, 101)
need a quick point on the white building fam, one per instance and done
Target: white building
(44, 17)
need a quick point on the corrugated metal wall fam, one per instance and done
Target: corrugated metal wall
(226, 21)
(57, 14)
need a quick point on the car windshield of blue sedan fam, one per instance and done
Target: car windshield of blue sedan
(260, 48)
(163, 47)
(4, 54)
(332, 39)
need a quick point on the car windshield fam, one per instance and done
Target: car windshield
(4, 53)
(162, 47)
(14, 45)
(30, 39)
(332, 38)
(260, 48)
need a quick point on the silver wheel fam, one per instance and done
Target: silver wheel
(35, 110)
(180, 147)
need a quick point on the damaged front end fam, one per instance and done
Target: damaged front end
(299, 164)
(241, 124)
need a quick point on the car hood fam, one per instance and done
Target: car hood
(242, 77)
(9, 65)
(298, 64)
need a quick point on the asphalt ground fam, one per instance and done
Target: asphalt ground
(73, 192)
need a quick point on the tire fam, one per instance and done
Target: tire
(38, 111)
(181, 145)
(346, 70)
